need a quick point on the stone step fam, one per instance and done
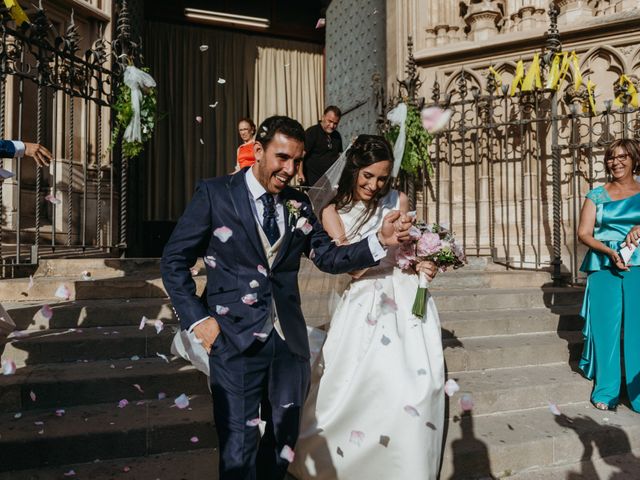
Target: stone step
(90, 313)
(99, 267)
(528, 349)
(87, 344)
(63, 385)
(187, 465)
(104, 431)
(503, 444)
(508, 389)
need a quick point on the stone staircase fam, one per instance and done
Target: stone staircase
(511, 341)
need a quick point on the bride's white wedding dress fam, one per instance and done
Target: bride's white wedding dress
(376, 405)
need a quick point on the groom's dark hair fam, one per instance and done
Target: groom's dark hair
(279, 124)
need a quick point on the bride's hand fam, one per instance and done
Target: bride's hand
(395, 228)
(427, 267)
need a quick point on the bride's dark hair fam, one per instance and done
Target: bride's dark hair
(365, 151)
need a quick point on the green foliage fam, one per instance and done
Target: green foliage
(416, 149)
(124, 113)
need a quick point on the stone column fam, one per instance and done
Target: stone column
(482, 19)
(572, 11)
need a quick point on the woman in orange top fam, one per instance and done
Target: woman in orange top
(247, 131)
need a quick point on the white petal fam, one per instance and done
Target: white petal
(287, 453)
(254, 284)
(223, 233)
(554, 409)
(356, 437)
(262, 270)
(221, 310)
(138, 387)
(8, 367)
(182, 401)
(221, 81)
(164, 357)
(210, 261)
(123, 403)
(451, 387)
(143, 322)
(159, 325)
(204, 48)
(250, 298)
(253, 422)
(466, 402)
(63, 292)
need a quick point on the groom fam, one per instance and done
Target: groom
(252, 229)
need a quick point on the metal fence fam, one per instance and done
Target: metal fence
(53, 94)
(510, 172)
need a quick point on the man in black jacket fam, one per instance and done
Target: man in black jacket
(322, 145)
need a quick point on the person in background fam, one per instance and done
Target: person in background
(609, 220)
(16, 148)
(247, 132)
(322, 145)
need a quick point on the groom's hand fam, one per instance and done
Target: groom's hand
(207, 332)
(395, 228)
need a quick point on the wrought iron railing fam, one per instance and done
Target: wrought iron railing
(78, 203)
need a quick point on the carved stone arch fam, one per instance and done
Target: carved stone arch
(634, 61)
(507, 71)
(603, 65)
(609, 54)
(473, 79)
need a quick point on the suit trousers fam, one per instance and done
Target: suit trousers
(265, 381)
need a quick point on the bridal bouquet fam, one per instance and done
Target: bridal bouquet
(432, 242)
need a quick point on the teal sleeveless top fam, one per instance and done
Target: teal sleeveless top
(614, 219)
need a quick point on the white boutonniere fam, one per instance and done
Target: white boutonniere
(293, 207)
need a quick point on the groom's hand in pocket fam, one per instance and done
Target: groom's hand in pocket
(207, 332)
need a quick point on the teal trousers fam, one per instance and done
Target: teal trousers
(612, 310)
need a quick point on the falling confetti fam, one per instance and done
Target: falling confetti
(221, 81)
(213, 105)
(63, 292)
(164, 357)
(162, 396)
(287, 454)
(60, 412)
(70, 473)
(138, 387)
(17, 415)
(204, 48)
(306, 228)
(30, 286)
(223, 233)
(262, 270)
(159, 325)
(201, 141)
(8, 367)
(387, 304)
(126, 469)
(288, 405)
(181, 401)
(356, 437)
(451, 387)
(221, 310)
(260, 335)
(466, 402)
(210, 261)
(143, 322)
(53, 200)
(195, 271)
(250, 298)
(321, 23)
(194, 439)
(32, 395)
(135, 358)
(198, 119)
(384, 440)
(254, 284)
(371, 319)
(411, 411)
(123, 403)
(553, 408)
(385, 340)
(254, 422)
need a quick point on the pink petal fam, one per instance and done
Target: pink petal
(60, 412)
(262, 270)
(411, 411)
(371, 320)
(181, 401)
(195, 271)
(451, 387)
(250, 298)
(220, 310)
(123, 403)
(138, 387)
(254, 422)
(8, 367)
(387, 304)
(435, 118)
(126, 469)
(53, 200)
(194, 439)
(159, 325)
(198, 119)
(210, 261)
(553, 407)
(321, 23)
(63, 292)
(143, 323)
(223, 233)
(356, 437)
(466, 402)
(307, 228)
(32, 395)
(46, 312)
(287, 453)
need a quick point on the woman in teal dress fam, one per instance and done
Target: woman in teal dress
(609, 218)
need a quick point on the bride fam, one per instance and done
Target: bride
(376, 405)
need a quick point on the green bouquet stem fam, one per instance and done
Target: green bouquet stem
(420, 303)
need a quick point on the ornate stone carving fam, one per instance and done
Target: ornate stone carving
(482, 19)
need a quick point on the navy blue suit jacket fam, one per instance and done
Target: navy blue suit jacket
(224, 201)
(7, 149)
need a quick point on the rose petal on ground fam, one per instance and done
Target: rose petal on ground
(164, 357)
(138, 387)
(254, 284)
(195, 271)
(159, 325)
(411, 411)
(8, 367)
(63, 292)
(198, 119)
(384, 440)
(221, 310)
(262, 270)
(223, 233)
(356, 437)
(221, 81)
(53, 200)
(32, 395)
(143, 322)
(260, 335)
(162, 396)
(466, 402)
(70, 473)
(254, 422)
(340, 452)
(451, 387)
(553, 408)
(135, 358)
(194, 439)
(123, 403)
(204, 48)
(287, 453)
(182, 401)
(387, 304)
(210, 261)
(213, 105)
(60, 412)
(17, 415)
(385, 340)
(250, 298)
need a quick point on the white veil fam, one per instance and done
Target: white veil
(323, 191)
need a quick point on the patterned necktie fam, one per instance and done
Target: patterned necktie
(269, 223)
